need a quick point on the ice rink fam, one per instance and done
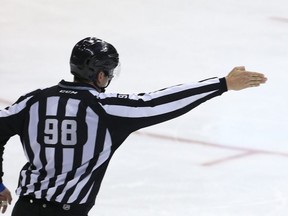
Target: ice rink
(227, 157)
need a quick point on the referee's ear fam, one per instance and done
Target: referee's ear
(100, 78)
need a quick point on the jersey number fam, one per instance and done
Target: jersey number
(67, 129)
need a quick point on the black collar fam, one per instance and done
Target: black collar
(76, 85)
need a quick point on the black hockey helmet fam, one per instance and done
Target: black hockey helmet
(92, 55)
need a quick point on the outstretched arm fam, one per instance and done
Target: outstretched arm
(239, 79)
(132, 112)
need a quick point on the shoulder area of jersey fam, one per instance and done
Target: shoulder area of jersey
(65, 91)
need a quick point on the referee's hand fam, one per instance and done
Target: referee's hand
(5, 199)
(239, 79)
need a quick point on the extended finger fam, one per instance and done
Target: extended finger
(255, 74)
(258, 79)
(4, 208)
(3, 205)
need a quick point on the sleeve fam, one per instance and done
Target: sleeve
(135, 111)
(11, 121)
(2, 144)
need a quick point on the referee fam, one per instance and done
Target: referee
(70, 131)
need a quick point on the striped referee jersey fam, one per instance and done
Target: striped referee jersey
(70, 131)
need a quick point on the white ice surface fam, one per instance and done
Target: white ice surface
(228, 157)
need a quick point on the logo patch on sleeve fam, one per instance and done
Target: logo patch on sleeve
(124, 96)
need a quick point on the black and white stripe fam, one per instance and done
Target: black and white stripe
(70, 132)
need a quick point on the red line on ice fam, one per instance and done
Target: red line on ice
(243, 151)
(228, 158)
(280, 19)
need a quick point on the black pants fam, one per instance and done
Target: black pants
(27, 206)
